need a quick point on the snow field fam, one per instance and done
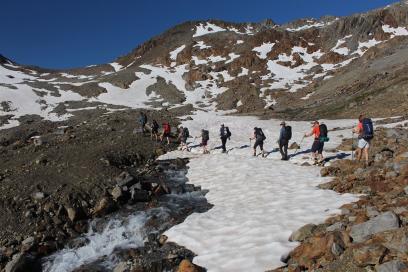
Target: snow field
(257, 202)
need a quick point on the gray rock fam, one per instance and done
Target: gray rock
(28, 241)
(303, 233)
(122, 267)
(337, 249)
(392, 266)
(125, 179)
(391, 174)
(406, 190)
(338, 226)
(372, 211)
(38, 195)
(72, 214)
(380, 223)
(116, 193)
(20, 262)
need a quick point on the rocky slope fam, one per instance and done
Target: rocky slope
(331, 67)
(370, 234)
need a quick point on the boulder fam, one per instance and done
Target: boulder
(38, 196)
(117, 193)
(391, 266)
(368, 255)
(20, 263)
(105, 205)
(383, 222)
(303, 233)
(396, 240)
(338, 226)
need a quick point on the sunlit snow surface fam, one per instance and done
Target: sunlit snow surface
(257, 202)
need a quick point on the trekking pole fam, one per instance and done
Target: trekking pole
(352, 145)
(301, 141)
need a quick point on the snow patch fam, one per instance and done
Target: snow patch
(263, 50)
(175, 52)
(395, 31)
(116, 66)
(207, 28)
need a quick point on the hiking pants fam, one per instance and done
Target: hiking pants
(224, 142)
(283, 148)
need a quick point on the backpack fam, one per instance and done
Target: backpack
(229, 134)
(186, 133)
(287, 135)
(206, 135)
(323, 137)
(368, 129)
(166, 128)
(260, 136)
(155, 125)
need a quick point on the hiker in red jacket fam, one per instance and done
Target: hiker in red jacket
(317, 147)
(166, 132)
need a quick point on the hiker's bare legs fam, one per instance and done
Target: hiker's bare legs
(365, 150)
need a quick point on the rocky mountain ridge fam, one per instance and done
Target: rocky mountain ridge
(332, 67)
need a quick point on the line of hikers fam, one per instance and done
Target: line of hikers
(364, 130)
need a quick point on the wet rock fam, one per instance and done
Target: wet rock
(117, 193)
(140, 196)
(368, 255)
(27, 244)
(125, 179)
(21, 263)
(105, 205)
(392, 266)
(303, 233)
(383, 222)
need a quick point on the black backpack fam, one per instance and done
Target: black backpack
(155, 125)
(323, 131)
(287, 135)
(368, 129)
(186, 133)
(206, 135)
(260, 136)
(228, 132)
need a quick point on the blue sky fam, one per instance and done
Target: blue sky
(62, 34)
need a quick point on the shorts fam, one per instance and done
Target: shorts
(317, 146)
(204, 142)
(362, 143)
(155, 131)
(258, 143)
(183, 140)
(166, 134)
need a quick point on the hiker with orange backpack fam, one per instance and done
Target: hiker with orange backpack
(166, 132)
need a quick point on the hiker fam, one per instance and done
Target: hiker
(166, 132)
(225, 134)
(154, 130)
(183, 136)
(259, 138)
(317, 146)
(143, 121)
(365, 132)
(205, 137)
(284, 136)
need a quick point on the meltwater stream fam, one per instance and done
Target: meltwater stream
(129, 228)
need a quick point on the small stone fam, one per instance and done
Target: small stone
(372, 211)
(38, 195)
(368, 255)
(303, 233)
(305, 164)
(162, 239)
(294, 145)
(116, 193)
(392, 266)
(338, 226)
(187, 266)
(406, 190)
(391, 175)
(72, 214)
(122, 267)
(337, 249)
